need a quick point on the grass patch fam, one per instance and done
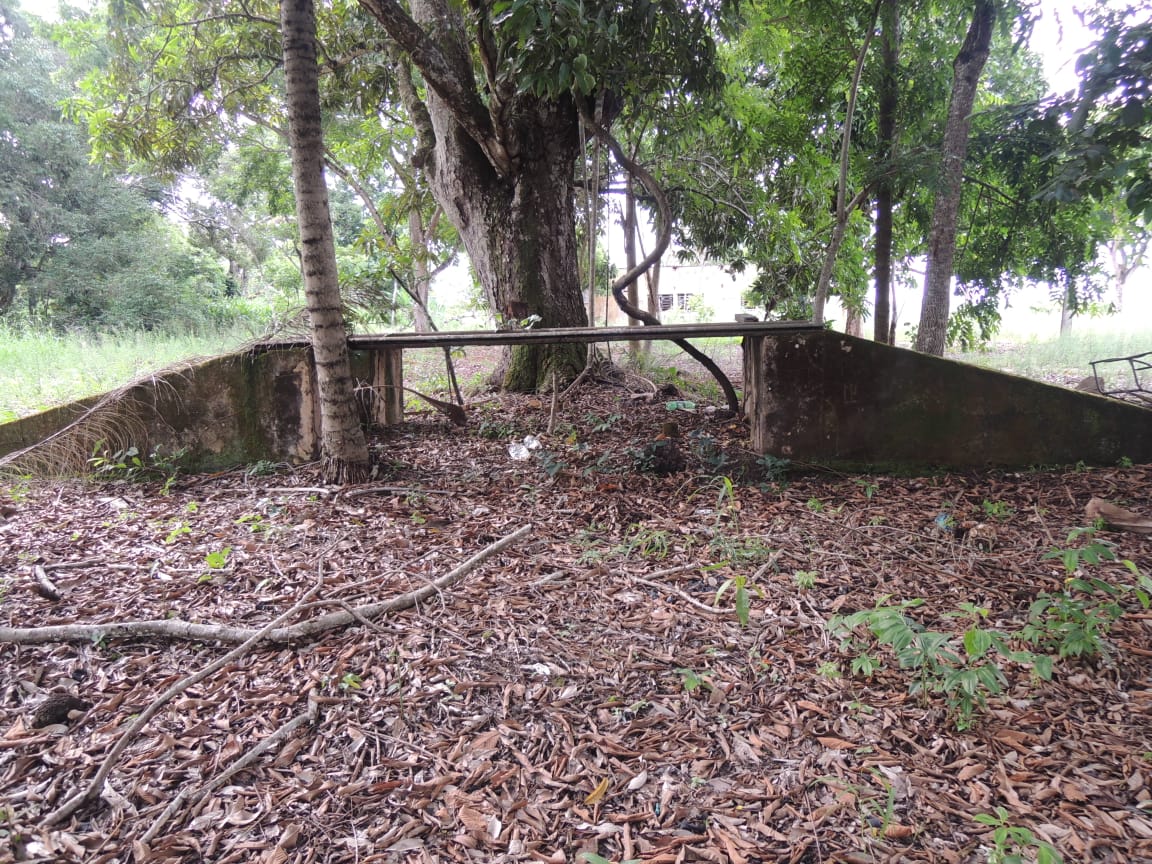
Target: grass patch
(1061, 359)
(40, 369)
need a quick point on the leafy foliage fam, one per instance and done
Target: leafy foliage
(79, 246)
(1110, 119)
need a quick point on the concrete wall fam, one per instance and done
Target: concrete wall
(221, 412)
(815, 396)
(830, 398)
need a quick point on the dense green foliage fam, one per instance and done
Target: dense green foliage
(740, 111)
(81, 246)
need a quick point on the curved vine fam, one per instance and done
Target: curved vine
(662, 242)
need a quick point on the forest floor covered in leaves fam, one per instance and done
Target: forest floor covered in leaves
(647, 673)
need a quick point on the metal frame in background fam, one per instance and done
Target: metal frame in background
(1141, 390)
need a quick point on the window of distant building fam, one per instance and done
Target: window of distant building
(680, 301)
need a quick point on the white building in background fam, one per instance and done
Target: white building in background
(694, 292)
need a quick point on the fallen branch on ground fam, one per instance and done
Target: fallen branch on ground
(174, 628)
(188, 795)
(95, 786)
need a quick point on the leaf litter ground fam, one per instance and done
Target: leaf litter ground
(583, 690)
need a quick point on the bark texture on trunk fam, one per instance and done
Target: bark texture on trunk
(969, 63)
(503, 179)
(886, 146)
(519, 230)
(345, 452)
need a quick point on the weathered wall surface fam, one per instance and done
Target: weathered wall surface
(830, 398)
(815, 396)
(221, 412)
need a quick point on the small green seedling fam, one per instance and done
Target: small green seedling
(218, 560)
(805, 579)
(693, 680)
(1011, 843)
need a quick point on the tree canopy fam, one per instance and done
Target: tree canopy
(788, 139)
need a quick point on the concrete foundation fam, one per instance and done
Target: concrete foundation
(810, 396)
(217, 413)
(833, 399)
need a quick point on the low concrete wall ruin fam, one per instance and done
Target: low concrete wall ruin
(216, 413)
(833, 399)
(811, 396)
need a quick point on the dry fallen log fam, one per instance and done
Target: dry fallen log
(175, 628)
(1117, 518)
(44, 586)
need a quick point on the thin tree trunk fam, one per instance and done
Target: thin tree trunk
(969, 63)
(421, 320)
(843, 209)
(344, 450)
(629, 226)
(853, 321)
(1067, 309)
(886, 146)
(653, 277)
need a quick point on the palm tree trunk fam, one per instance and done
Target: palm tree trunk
(344, 451)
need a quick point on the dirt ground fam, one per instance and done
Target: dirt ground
(646, 672)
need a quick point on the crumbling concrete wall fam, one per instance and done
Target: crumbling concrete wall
(811, 396)
(834, 399)
(217, 413)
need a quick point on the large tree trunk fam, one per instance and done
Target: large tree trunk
(967, 67)
(501, 168)
(886, 146)
(345, 452)
(519, 230)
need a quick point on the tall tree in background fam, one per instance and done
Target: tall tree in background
(887, 106)
(80, 246)
(345, 452)
(966, 69)
(499, 131)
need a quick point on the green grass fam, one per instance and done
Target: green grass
(41, 369)
(1061, 360)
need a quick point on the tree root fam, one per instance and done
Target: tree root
(175, 628)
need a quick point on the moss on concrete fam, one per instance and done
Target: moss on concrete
(829, 398)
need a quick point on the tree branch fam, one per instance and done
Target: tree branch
(174, 628)
(459, 95)
(97, 783)
(662, 242)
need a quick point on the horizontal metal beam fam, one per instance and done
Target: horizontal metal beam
(559, 335)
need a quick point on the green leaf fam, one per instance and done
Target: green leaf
(743, 605)
(977, 642)
(218, 559)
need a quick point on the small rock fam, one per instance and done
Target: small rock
(56, 708)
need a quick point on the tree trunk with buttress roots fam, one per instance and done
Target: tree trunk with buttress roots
(519, 232)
